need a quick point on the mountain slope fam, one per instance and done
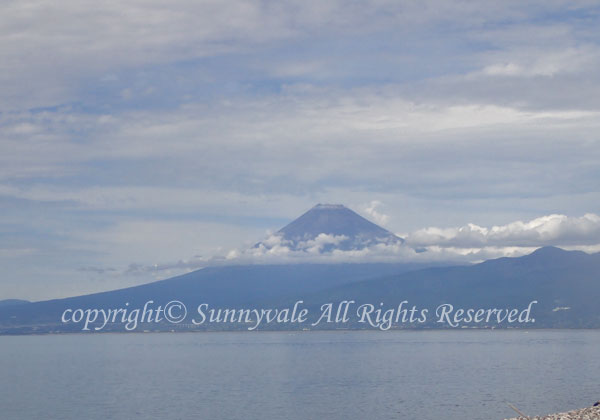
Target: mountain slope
(566, 285)
(219, 286)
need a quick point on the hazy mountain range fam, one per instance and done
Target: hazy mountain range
(564, 285)
(12, 302)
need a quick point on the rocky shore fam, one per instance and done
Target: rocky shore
(591, 413)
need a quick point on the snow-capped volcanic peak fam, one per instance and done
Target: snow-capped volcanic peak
(327, 227)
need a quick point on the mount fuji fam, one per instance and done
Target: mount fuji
(327, 227)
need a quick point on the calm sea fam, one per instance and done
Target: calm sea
(447, 375)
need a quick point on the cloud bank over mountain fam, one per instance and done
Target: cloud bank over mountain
(470, 243)
(466, 244)
(552, 230)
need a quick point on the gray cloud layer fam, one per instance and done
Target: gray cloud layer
(138, 132)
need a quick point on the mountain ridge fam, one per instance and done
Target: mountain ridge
(565, 287)
(12, 302)
(567, 298)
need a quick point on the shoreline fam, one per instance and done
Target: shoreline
(589, 413)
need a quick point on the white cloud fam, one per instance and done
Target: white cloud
(552, 61)
(553, 229)
(281, 251)
(293, 134)
(378, 217)
(316, 245)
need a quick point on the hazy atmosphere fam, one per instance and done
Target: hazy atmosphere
(147, 139)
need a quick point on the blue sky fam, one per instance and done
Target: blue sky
(140, 139)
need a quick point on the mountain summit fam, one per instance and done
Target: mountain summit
(326, 227)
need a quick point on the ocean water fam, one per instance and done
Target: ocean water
(423, 375)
